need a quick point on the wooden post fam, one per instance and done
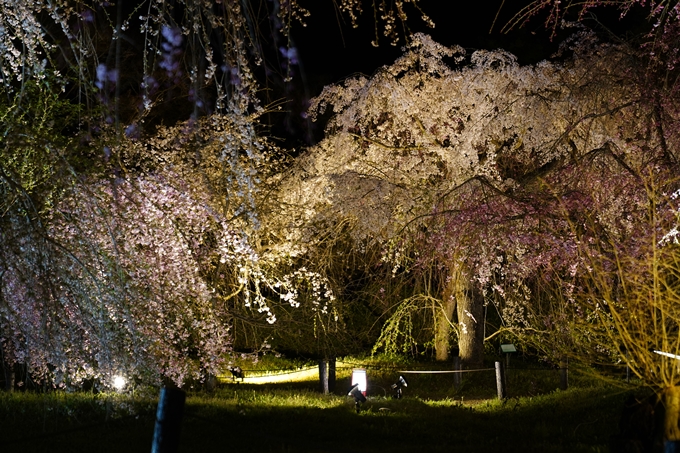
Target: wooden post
(331, 374)
(168, 421)
(564, 373)
(323, 376)
(500, 380)
(456, 376)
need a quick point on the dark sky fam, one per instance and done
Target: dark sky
(335, 50)
(330, 49)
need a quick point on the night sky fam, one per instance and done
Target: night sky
(335, 50)
(330, 49)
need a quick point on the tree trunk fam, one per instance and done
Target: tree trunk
(671, 400)
(458, 293)
(443, 320)
(455, 287)
(470, 328)
(9, 375)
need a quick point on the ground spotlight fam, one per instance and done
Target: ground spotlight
(358, 396)
(398, 386)
(236, 372)
(359, 378)
(119, 382)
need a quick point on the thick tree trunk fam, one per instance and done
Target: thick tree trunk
(455, 286)
(458, 293)
(671, 400)
(470, 328)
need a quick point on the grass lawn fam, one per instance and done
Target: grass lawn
(296, 418)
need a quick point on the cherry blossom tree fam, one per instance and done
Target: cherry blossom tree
(618, 304)
(205, 45)
(423, 150)
(127, 245)
(145, 274)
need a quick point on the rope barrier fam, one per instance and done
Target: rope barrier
(445, 371)
(254, 377)
(283, 371)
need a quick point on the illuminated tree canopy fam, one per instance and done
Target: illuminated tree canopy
(148, 224)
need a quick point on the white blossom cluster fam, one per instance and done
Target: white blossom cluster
(23, 47)
(406, 140)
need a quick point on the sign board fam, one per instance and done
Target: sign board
(505, 348)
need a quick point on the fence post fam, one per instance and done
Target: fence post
(331, 374)
(323, 376)
(500, 380)
(564, 373)
(456, 376)
(168, 421)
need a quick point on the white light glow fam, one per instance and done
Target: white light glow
(119, 382)
(359, 377)
(668, 354)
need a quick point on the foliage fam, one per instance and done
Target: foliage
(213, 49)
(410, 322)
(480, 171)
(130, 244)
(140, 240)
(144, 274)
(615, 306)
(621, 304)
(660, 12)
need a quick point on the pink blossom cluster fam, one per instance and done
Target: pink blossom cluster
(137, 276)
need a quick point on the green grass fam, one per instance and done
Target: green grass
(433, 416)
